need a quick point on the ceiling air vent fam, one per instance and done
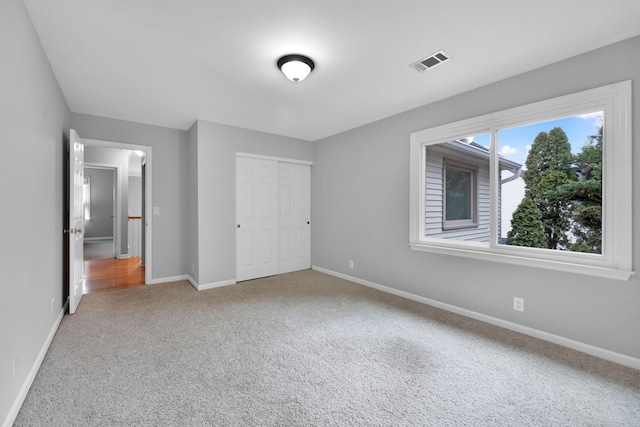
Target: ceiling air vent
(431, 61)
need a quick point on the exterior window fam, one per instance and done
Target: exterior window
(545, 185)
(460, 196)
(556, 200)
(457, 189)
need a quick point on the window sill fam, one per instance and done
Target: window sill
(488, 254)
(470, 225)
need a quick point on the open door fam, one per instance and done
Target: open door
(76, 219)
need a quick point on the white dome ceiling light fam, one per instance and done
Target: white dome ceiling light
(296, 67)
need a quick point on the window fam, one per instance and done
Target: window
(546, 185)
(460, 195)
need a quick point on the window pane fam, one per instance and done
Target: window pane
(554, 200)
(457, 202)
(458, 194)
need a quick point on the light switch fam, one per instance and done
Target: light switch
(156, 210)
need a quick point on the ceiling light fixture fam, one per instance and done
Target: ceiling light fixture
(296, 67)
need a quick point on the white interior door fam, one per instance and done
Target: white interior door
(76, 219)
(294, 185)
(257, 218)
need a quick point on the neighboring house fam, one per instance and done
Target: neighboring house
(512, 194)
(457, 190)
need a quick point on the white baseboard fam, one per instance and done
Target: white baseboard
(556, 339)
(123, 256)
(205, 286)
(168, 279)
(200, 287)
(17, 404)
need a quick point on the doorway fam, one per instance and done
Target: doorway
(99, 196)
(105, 266)
(117, 232)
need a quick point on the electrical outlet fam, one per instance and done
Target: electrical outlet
(351, 265)
(53, 301)
(518, 304)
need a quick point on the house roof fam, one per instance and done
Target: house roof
(168, 63)
(478, 151)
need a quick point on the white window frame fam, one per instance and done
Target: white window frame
(615, 262)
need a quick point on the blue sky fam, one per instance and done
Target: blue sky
(515, 142)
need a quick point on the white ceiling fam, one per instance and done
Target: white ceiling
(168, 62)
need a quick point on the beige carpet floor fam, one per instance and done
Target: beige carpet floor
(307, 349)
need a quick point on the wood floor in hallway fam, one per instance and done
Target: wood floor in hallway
(103, 272)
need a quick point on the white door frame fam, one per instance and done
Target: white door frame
(117, 228)
(95, 143)
(278, 159)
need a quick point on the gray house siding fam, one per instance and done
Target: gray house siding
(434, 198)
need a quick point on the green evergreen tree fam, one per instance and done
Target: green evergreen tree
(526, 226)
(549, 167)
(585, 196)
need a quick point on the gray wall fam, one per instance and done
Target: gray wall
(135, 195)
(360, 202)
(216, 148)
(101, 223)
(192, 265)
(169, 183)
(34, 119)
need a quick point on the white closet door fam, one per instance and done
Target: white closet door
(294, 216)
(257, 218)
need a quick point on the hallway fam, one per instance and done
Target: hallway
(103, 272)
